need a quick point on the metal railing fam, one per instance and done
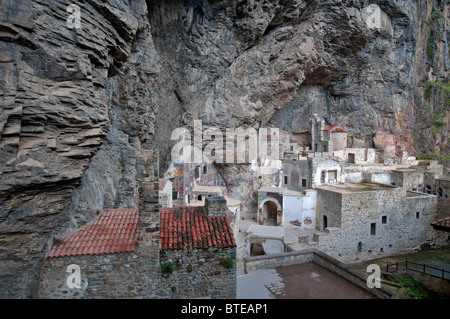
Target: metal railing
(422, 268)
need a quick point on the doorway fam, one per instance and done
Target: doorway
(351, 158)
(270, 213)
(325, 222)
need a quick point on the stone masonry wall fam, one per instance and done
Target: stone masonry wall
(328, 204)
(125, 275)
(199, 273)
(402, 232)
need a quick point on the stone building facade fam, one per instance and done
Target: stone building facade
(199, 250)
(367, 221)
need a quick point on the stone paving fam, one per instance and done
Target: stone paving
(302, 281)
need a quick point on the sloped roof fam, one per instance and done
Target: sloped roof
(162, 183)
(442, 221)
(114, 231)
(334, 129)
(189, 227)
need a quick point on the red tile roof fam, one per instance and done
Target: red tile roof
(162, 183)
(114, 231)
(442, 221)
(334, 128)
(189, 227)
(442, 224)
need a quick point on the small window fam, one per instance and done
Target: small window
(373, 229)
(175, 195)
(285, 179)
(199, 197)
(205, 169)
(322, 177)
(197, 172)
(417, 215)
(384, 219)
(303, 182)
(360, 245)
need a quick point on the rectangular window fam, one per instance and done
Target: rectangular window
(384, 219)
(285, 179)
(373, 228)
(417, 215)
(205, 169)
(332, 176)
(303, 182)
(175, 195)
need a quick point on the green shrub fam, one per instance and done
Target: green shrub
(167, 267)
(227, 262)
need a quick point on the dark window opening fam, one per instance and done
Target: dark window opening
(373, 229)
(351, 158)
(417, 215)
(205, 169)
(360, 245)
(322, 177)
(303, 182)
(175, 195)
(384, 219)
(199, 197)
(285, 179)
(197, 172)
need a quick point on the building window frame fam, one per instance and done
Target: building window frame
(373, 229)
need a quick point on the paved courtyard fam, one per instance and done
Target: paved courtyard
(303, 281)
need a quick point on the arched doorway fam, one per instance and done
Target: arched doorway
(270, 213)
(325, 222)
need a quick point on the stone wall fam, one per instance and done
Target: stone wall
(216, 206)
(338, 141)
(199, 273)
(124, 275)
(300, 168)
(329, 204)
(393, 213)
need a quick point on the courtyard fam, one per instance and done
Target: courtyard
(300, 281)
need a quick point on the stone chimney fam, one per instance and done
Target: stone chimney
(215, 206)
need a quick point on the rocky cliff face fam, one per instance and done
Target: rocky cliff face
(78, 105)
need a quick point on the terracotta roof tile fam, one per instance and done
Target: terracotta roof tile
(162, 183)
(114, 231)
(188, 227)
(334, 128)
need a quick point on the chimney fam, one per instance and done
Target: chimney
(215, 206)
